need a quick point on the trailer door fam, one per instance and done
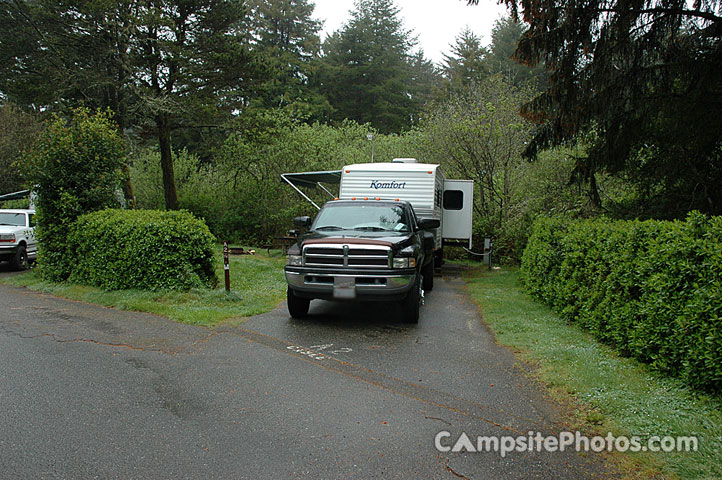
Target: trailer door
(457, 205)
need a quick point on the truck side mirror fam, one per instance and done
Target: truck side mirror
(301, 222)
(429, 223)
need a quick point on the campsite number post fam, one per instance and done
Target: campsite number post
(226, 267)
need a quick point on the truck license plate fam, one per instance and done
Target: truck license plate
(344, 287)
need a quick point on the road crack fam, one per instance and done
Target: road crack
(55, 338)
(439, 419)
(452, 471)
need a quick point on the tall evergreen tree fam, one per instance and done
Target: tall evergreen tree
(286, 34)
(367, 75)
(505, 37)
(465, 64)
(645, 77)
(426, 80)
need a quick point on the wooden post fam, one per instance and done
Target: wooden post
(226, 267)
(487, 251)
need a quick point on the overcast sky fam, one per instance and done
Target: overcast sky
(436, 22)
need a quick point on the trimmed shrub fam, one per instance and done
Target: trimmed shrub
(74, 168)
(142, 249)
(651, 289)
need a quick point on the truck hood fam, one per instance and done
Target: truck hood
(393, 240)
(11, 229)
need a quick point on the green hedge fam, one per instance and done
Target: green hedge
(652, 289)
(143, 249)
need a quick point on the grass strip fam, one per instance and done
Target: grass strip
(609, 393)
(257, 286)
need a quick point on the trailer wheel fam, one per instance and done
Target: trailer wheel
(297, 306)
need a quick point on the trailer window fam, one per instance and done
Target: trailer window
(453, 200)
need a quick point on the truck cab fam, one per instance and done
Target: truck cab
(362, 249)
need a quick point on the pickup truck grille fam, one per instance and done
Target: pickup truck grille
(356, 256)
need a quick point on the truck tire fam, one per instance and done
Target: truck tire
(428, 273)
(412, 303)
(297, 306)
(20, 259)
(438, 259)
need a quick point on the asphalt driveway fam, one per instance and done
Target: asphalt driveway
(90, 392)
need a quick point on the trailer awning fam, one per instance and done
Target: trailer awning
(15, 195)
(312, 179)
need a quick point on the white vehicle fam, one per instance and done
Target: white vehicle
(17, 238)
(423, 185)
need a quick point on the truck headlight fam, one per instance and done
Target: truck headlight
(404, 262)
(294, 260)
(7, 237)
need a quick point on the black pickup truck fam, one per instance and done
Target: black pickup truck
(375, 250)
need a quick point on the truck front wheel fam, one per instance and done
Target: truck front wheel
(412, 303)
(20, 260)
(297, 306)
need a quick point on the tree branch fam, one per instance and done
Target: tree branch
(667, 11)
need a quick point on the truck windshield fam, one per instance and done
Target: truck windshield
(364, 217)
(17, 219)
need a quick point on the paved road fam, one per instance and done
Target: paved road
(90, 392)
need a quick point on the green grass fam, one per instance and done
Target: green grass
(605, 391)
(257, 286)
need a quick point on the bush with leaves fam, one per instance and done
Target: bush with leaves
(142, 249)
(74, 168)
(477, 134)
(652, 289)
(204, 189)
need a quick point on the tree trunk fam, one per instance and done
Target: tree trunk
(166, 162)
(128, 189)
(594, 192)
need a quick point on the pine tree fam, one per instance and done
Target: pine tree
(504, 38)
(426, 80)
(643, 78)
(465, 65)
(286, 34)
(367, 74)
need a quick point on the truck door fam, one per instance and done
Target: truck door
(457, 205)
